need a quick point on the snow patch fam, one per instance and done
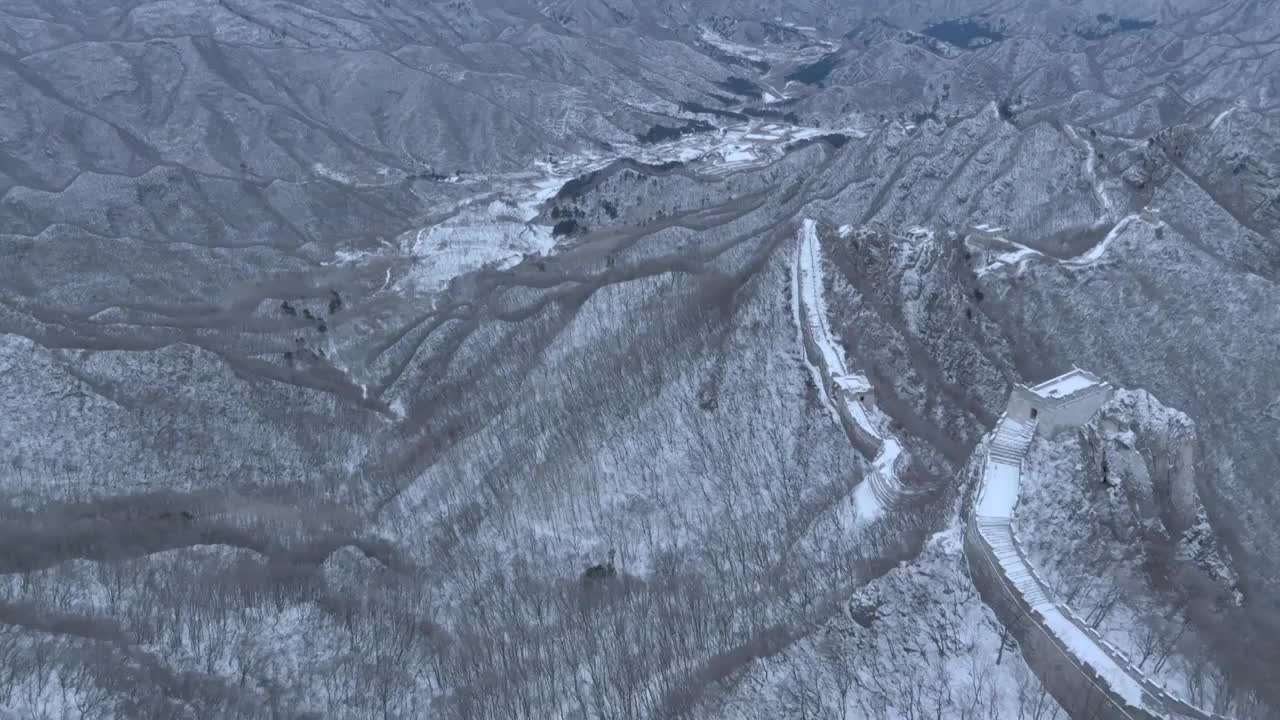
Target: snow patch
(1223, 116)
(1011, 259)
(329, 173)
(1098, 251)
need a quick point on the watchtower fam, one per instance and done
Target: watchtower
(1069, 400)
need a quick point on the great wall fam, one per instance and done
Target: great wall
(1089, 677)
(847, 395)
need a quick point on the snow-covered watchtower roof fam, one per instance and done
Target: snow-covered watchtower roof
(1068, 400)
(853, 383)
(1066, 385)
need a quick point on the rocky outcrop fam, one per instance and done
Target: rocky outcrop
(1148, 451)
(1144, 453)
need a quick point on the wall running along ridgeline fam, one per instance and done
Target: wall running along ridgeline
(1086, 675)
(848, 395)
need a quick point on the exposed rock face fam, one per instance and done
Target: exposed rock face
(1149, 454)
(1148, 451)
(1137, 477)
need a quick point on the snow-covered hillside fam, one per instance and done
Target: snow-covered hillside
(626, 359)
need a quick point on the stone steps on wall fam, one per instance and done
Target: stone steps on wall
(1016, 429)
(1009, 457)
(999, 535)
(1019, 427)
(1029, 588)
(880, 488)
(1013, 452)
(1012, 440)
